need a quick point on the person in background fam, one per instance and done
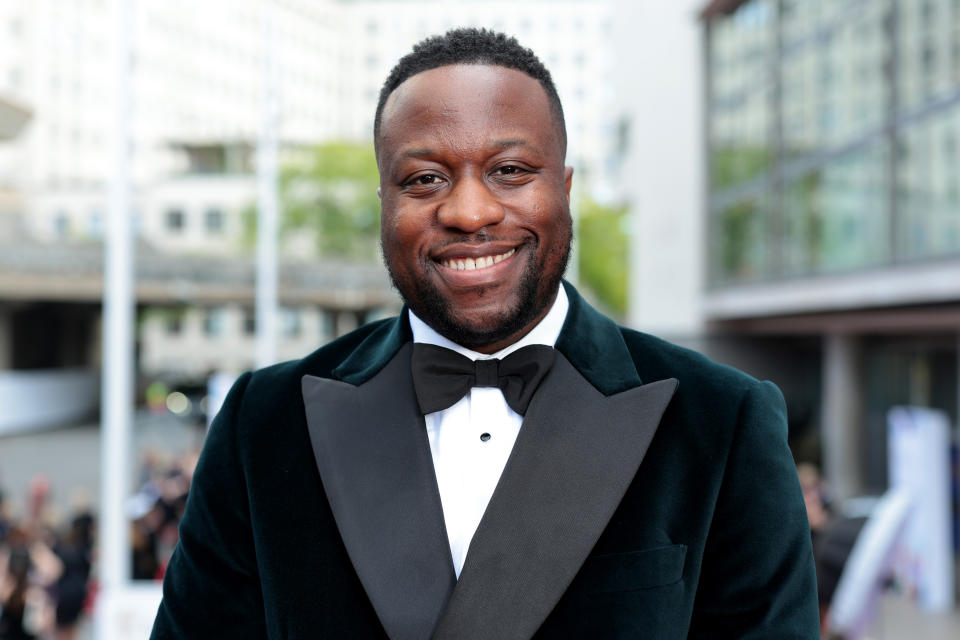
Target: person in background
(5, 520)
(75, 551)
(27, 569)
(815, 498)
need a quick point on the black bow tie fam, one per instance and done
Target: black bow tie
(442, 376)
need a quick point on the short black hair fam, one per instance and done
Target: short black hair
(470, 45)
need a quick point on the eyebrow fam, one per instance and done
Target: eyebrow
(512, 142)
(426, 152)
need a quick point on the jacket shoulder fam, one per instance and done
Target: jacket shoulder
(656, 359)
(281, 382)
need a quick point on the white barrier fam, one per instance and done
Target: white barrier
(33, 399)
(919, 453)
(127, 613)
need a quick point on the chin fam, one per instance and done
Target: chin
(474, 333)
(483, 327)
(513, 316)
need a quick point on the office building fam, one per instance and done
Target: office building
(832, 228)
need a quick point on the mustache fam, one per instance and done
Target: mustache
(477, 237)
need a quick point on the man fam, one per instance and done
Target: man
(386, 487)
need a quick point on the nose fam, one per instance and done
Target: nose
(470, 206)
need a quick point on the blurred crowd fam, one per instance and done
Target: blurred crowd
(47, 563)
(155, 511)
(833, 536)
(44, 569)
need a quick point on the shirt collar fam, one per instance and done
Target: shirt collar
(545, 332)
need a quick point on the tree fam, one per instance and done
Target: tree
(330, 190)
(603, 252)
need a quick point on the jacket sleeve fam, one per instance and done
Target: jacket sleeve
(211, 588)
(757, 579)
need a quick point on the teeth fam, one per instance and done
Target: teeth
(472, 264)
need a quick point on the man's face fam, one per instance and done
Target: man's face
(475, 221)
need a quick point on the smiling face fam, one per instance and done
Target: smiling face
(475, 220)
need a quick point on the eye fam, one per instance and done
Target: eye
(423, 180)
(512, 175)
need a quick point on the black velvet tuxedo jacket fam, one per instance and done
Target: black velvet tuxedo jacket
(650, 494)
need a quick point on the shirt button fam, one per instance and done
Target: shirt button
(484, 437)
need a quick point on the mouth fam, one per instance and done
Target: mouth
(476, 263)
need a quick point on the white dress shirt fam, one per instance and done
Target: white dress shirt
(471, 441)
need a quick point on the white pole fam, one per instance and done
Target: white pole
(266, 291)
(118, 315)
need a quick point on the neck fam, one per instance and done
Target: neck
(493, 347)
(543, 329)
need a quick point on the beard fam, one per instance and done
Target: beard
(535, 293)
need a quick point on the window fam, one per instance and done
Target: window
(174, 322)
(175, 220)
(215, 322)
(249, 321)
(328, 324)
(213, 220)
(61, 224)
(929, 58)
(290, 322)
(96, 224)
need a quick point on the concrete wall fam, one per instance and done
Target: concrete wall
(659, 93)
(193, 351)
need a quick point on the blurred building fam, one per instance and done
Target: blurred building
(201, 74)
(832, 230)
(198, 92)
(197, 95)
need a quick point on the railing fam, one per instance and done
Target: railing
(75, 272)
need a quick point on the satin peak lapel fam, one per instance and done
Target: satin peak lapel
(575, 457)
(374, 458)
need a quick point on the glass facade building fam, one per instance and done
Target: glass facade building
(832, 149)
(833, 136)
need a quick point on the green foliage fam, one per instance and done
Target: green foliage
(330, 190)
(736, 239)
(734, 164)
(806, 222)
(603, 252)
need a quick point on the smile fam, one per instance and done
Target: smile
(472, 264)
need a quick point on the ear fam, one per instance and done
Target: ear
(380, 194)
(567, 181)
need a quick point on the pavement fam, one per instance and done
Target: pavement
(69, 458)
(899, 619)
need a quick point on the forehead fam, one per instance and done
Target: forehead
(461, 103)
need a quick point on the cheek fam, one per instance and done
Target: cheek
(407, 230)
(550, 217)
(403, 234)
